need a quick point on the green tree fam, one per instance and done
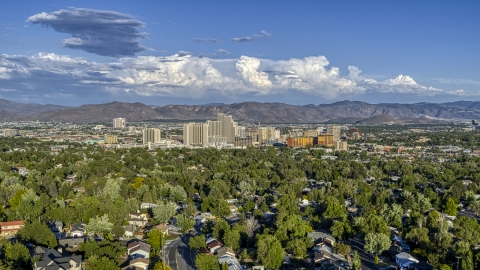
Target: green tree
(52, 241)
(99, 224)
(118, 230)
(17, 254)
(221, 226)
(342, 248)
(112, 188)
(334, 209)
(450, 207)
(177, 194)
(36, 233)
(356, 262)
(206, 262)
(156, 239)
(197, 242)
(164, 211)
(100, 262)
(467, 261)
(341, 229)
(468, 229)
(377, 243)
(185, 223)
(160, 266)
(418, 235)
(232, 239)
(269, 251)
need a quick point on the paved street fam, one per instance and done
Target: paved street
(468, 214)
(367, 262)
(178, 254)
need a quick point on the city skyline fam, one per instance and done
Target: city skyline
(198, 53)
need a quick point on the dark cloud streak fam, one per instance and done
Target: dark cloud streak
(105, 33)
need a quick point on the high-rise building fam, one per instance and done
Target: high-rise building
(227, 127)
(222, 131)
(195, 134)
(151, 135)
(9, 132)
(214, 128)
(310, 133)
(335, 131)
(111, 139)
(267, 133)
(119, 123)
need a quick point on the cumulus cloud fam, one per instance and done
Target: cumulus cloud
(263, 34)
(106, 33)
(185, 75)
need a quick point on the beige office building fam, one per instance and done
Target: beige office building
(340, 145)
(151, 135)
(119, 123)
(195, 134)
(227, 126)
(111, 139)
(9, 132)
(335, 131)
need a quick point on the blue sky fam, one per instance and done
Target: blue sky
(196, 52)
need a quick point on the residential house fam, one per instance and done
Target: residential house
(138, 249)
(303, 202)
(55, 226)
(162, 228)
(10, 228)
(200, 219)
(147, 205)
(78, 230)
(137, 264)
(213, 246)
(129, 230)
(232, 263)
(20, 170)
(137, 219)
(404, 260)
(232, 208)
(54, 260)
(225, 251)
(70, 244)
(70, 179)
(319, 237)
(421, 266)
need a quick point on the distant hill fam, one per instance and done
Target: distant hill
(97, 113)
(379, 119)
(26, 109)
(7, 116)
(343, 112)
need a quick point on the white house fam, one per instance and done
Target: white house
(78, 230)
(147, 205)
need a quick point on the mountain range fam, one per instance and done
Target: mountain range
(342, 112)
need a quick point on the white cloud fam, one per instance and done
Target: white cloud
(185, 75)
(263, 34)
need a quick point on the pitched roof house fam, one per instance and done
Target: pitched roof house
(51, 260)
(10, 228)
(138, 249)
